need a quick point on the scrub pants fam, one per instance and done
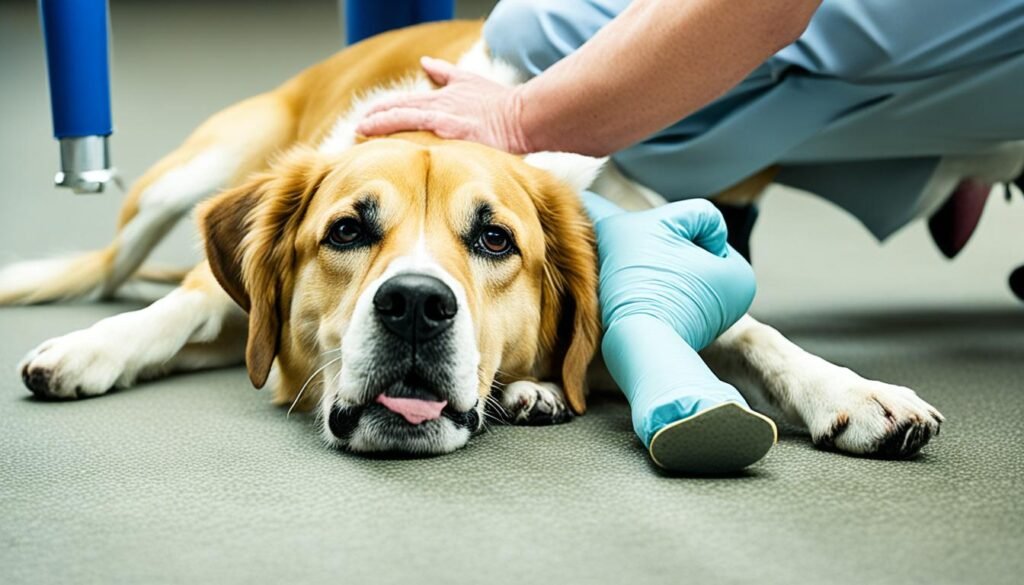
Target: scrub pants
(859, 110)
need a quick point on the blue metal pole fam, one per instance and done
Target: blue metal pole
(76, 33)
(365, 18)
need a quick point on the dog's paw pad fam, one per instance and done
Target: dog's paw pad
(534, 403)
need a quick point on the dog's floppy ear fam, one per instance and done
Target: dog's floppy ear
(249, 233)
(570, 318)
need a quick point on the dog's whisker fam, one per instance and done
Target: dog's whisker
(491, 417)
(308, 380)
(496, 404)
(336, 377)
(366, 383)
(494, 380)
(498, 372)
(496, 419)
(330, 351)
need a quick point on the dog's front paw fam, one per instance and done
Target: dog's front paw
(534, 403)
(73, 366)
(865, 417)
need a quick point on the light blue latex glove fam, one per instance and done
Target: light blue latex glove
(669, 285)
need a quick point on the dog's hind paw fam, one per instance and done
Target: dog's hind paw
(534, 403)
(875, 419)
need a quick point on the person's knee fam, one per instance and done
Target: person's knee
(520, 32)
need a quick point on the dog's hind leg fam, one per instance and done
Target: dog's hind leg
(840, 409)
(225, 148)
(195, 326)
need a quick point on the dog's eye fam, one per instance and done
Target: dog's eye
(495, 240)
(345, 232)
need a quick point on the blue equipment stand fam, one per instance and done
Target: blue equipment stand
(365, 18)
(76, 33)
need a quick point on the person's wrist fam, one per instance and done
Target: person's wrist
(519, 140)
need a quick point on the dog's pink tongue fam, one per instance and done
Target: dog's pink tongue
(413, 409)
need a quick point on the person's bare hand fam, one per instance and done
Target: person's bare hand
(467, 107)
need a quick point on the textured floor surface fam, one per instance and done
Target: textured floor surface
(197, 478)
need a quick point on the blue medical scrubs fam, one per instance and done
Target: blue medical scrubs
(859, 110)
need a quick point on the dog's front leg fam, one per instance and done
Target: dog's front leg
(195, 326)
(840, 409)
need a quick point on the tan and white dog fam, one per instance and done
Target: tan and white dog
(397, 285)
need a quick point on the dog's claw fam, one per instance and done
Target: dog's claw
(37, 381)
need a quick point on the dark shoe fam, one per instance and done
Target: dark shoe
(954, 223)
(1017, 282)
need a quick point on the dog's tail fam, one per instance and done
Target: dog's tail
(161, 274)
(99, 273)
(55, 279)
(96, 274)
(86, 275)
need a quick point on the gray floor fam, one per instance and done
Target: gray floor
(197, 478)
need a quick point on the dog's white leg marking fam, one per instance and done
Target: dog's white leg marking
(529, 402)
(165, 202)
(841, 409)
(117, 350)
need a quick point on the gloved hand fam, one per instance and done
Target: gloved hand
(669, 285)
(672, 263)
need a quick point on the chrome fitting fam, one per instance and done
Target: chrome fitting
(85, 164)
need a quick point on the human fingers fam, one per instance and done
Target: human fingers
(414, 100)
(405, 119)
(442, 72)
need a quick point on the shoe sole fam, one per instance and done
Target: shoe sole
(721, 439)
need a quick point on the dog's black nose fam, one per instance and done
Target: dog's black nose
(415, 307)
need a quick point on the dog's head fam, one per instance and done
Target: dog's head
(398, 281)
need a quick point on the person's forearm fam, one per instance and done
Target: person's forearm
(656, 63)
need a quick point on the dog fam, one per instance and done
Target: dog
(401, 286)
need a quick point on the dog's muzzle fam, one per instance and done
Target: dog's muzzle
(407, 402)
